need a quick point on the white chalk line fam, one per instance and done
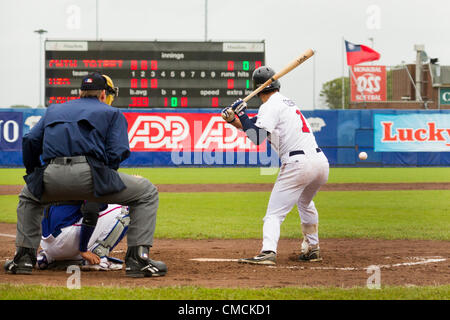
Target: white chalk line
(7, 235)
(214, 260)
(419, 261)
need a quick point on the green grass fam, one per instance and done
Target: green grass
(415, 214)
(368, 214)
(365, 214)
(255, 175)
(13, 292)
(8, 206)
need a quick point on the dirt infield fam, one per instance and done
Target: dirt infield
(401, 262)
(212, 263)
(242, 187)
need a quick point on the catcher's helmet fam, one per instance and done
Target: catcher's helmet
(261, 75)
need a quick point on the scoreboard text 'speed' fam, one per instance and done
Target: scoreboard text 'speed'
(155, 74)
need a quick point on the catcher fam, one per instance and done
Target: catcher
(82, 234)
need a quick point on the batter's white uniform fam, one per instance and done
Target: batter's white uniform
(66, 245)
(300, 176)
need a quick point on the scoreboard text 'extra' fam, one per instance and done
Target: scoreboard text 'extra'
(154, 74)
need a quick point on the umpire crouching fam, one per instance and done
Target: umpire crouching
(82, 143)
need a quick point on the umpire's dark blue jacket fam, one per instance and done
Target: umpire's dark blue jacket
(86, 127)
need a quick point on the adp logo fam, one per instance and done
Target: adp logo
(11, 131)
(151, 133)
(219, 135)
(196, 132)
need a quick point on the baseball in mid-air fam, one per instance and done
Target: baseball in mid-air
(362, 155)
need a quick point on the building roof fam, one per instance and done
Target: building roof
(440, 75)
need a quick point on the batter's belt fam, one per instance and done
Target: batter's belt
(296, 152)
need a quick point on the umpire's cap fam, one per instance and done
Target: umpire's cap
(261, 75)
(97, 81)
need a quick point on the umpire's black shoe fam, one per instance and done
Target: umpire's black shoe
(139, 265)
(23, 261)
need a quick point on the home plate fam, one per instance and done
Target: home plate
(213, 260)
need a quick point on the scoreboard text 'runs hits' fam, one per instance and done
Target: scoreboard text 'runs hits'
(155, 74)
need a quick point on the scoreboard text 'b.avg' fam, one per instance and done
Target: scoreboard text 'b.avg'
(155, 74)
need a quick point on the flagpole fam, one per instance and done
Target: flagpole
(343, 67)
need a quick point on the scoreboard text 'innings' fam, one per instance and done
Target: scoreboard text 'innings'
(155, 74)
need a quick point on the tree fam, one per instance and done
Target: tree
(331, 93)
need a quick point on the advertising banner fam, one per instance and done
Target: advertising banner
(11, 131)
(412, 132)
(444, 96)
(368, 83)
(196, 132)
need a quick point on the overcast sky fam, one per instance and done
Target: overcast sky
(288, 27)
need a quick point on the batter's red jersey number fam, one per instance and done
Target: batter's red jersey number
(304, 125)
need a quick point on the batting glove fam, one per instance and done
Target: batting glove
(228, 115)
(239, 106)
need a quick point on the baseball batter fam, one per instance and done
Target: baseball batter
(304, 167)
(65, 240)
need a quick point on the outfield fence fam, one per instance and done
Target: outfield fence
(199, 137)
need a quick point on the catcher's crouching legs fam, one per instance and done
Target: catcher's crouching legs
(103, 247)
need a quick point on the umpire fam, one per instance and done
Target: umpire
(81, 144)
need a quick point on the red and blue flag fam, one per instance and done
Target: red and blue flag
(358, 53)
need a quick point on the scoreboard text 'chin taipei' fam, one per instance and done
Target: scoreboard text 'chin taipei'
(155, 74)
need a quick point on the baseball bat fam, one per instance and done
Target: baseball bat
(288, 68)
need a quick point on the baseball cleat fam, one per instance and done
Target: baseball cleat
(138, 264)
(311, 255)
(23, 262)
(264, 258)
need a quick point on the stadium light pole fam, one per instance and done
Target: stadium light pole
(206, 20)
(314, 79)
(41, 32)
(371, 45)
(96, 20)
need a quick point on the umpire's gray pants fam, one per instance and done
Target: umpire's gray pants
(74, 182)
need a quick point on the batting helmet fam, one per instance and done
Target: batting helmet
(261, 75)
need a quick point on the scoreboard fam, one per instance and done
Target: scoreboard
(156, 74)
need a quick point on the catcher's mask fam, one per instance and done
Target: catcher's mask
(111, 91)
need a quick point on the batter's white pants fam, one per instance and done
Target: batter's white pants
(297, 183)
(65, 245)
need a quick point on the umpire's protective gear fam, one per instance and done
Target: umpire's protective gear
(111, 91)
